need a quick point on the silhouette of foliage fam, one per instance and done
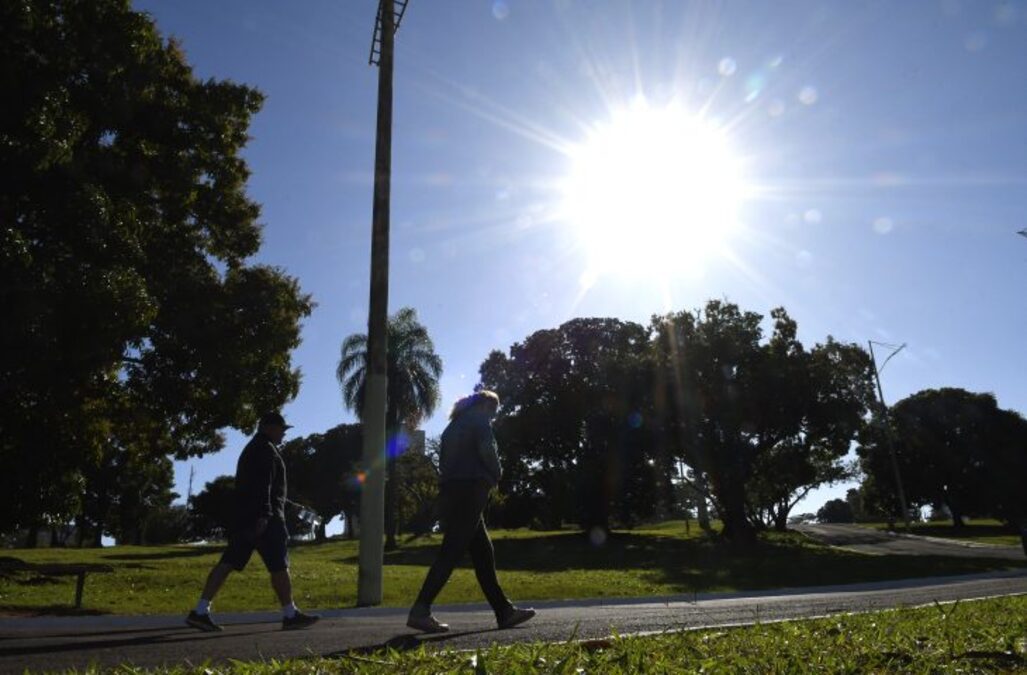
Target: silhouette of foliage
(955, 449)
(321, 470)
(413, 369)
(134, 324)
(573, 428)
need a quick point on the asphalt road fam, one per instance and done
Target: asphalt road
(66, 642)
(876, 542)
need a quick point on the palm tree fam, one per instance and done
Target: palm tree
(413, 390)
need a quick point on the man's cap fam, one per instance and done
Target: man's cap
(273, 418)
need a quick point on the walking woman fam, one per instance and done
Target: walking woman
(468, 470)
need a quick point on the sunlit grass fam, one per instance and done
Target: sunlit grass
(650, 560)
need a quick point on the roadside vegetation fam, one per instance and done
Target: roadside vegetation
(983, 531)
(986, 636)
(653, 560)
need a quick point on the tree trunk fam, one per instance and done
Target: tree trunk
(957, 515)
(781, 517)
(731, 493)
(319, 533)
(32, 537)
(702, 508)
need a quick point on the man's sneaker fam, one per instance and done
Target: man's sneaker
(202, 622)
(299, 621)
(515, 617)
(427, 624)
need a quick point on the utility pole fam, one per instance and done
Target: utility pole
(889, 434)
(372, 496)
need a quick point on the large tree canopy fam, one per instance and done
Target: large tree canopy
(767, 420)
(321, 470)
(954, 448)
(597, 413)
(573, 425)
(717, 414)
(831, 388)
(133, 322)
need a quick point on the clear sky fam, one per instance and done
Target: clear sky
(862, 164)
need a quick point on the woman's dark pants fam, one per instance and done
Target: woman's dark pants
(462, 505)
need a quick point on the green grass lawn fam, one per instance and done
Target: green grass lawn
(984, 636)
(984, 531)
(655, 560)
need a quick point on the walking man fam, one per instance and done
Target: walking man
(468, 470)
(258, 523)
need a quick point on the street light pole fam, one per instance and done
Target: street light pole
(889, 434)
(372, 495)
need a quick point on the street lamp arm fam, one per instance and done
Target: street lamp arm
(889, 432)
(890, 357)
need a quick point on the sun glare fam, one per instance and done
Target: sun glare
(654, 191)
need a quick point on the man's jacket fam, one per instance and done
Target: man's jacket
(468, 449)
(259, 482)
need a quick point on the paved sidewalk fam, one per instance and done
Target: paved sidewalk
(76, 642)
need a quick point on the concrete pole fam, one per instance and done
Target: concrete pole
(372, 496)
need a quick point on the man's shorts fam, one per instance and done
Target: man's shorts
(272, 545)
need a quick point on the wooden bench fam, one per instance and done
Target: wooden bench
(77, 570)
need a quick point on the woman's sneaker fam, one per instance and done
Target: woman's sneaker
(202, 622)
(427, 624)
(299, 621)
(515, 617)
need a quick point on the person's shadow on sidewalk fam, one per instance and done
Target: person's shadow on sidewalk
(156, 635)
(406, 642)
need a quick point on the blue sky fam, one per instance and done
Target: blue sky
(882, 145)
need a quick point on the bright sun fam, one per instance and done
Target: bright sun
(653, 191)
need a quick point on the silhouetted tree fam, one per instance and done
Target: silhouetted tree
(835, 511)
(573, 428)
(131, 311)
(417, 478)
(714, 413)
(322, 472)
(167, 525)
(212, 509)
(954, 448)
(854, 497)
(766, 421)
(832, 393)
(413, 369)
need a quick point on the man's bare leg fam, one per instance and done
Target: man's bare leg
(281, 581)
(292, 617)
(215, 580)
(200, 617)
